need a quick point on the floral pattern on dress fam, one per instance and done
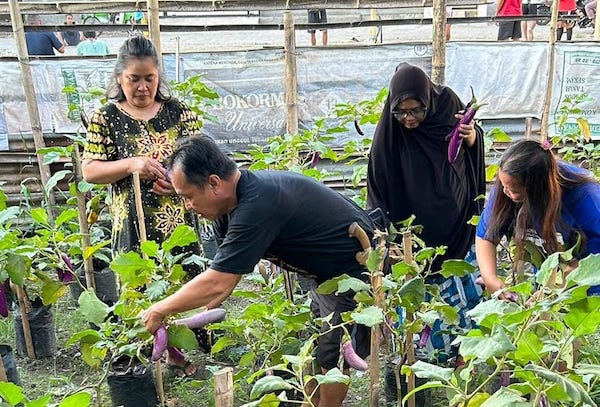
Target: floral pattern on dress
(168, 217)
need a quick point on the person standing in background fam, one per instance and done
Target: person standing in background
(529, 9)
(92, 45)
(509, 30)
(317, 15)
(69, 37)
(566, 19)
(41, 42)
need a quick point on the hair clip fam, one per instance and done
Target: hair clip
(546, 145)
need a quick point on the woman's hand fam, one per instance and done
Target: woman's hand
(467, 131)
(148, 168)
(163, 187)
(152, 318)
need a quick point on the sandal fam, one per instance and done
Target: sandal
(183, 371)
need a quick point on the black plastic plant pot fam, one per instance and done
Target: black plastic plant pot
(43, 334)
(10, 364)
(132, 385)
(106, 286)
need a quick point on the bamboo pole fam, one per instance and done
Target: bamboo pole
(3, 377)
(139, 208)
(154, 28)
(291, 79)
(24, 308)
(84, 227)
(374, 365)
(409, 344)
(528, 121)
(597, 26)
(29, 88)
(438, 59)
(550, 80)
(224, 388)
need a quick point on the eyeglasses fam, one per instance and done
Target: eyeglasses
(418, 113)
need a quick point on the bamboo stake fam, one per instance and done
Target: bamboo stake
(84, 227)
(409, 344)
(29, 88)
(438, 59)
(374, 365)
(137, 191)
(597, 27)
(224, 388)
(528, 121)
(3, 377)
(154, 28)
(291, 103)
(25, 308)
(552, 57)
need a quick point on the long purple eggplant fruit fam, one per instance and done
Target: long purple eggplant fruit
(455, 136)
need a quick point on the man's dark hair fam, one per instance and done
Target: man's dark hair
(200, 157)
(89, 34)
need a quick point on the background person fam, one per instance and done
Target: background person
(303, 227)
(566, 19)
(409, 173)
(535, 197)
(41, 42)
(509, 30)
(315, 16)
(91, 45)
(529, 9)
(69, 37)
(136, 132)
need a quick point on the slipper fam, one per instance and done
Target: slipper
(182, 371)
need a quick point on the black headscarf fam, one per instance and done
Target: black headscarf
(409, 172)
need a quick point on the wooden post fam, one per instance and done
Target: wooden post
(597, 26)
(528, 121)
(374, 365)
(3, 377)
(548, 97)
(291, 79)
(409, 344)
(224, 388)
(154, 28)
(139, 208)
(84, 227)
(24, 308)
(28, 87)
(374, 30)
(438, 59)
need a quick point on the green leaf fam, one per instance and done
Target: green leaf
(8, 214)
(157, 289)
(428, 385)
(485, 347)
(429, 371)
(492, 307)
(149, 248)
(52, 291)
(257, 311)
(11, 393)
(182, 337)
(583, 316)
(41, 402)
(222, 343)
(459, 268)
(506, 397)
(269, 384)
(374, 260)
(93, 310)
(352, 283)
(529, 348)
(183, 235)
(576, 391)
(81, 399)
(369, 316)
(587, 271)
(412, 294)
(332, 376)
(127, 265)
(54, 180)
(39, 215)
(66, 216)
(268, 400)
(491, 171)
(17, 267)
(548, 266)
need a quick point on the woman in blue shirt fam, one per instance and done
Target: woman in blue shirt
(538, 197)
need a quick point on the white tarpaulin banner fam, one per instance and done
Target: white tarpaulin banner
(510, 77)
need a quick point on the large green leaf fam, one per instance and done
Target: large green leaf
(485, 347)
(548, 266)
(268, 400)
(40, 402)
(17, 267)
(11, 393)
(352, 283)
(332, 376)
(529, 348)
(52, 291)
(54, 180)
(183, 235)
(459, 268)
(429, 371)
(587, 271)
(412, 294)
(182, 337)
(575, 390)
(269, 384)
(8, 214)
(583, 316)
(92, 309)
(81, 399)
(369, 316)
(66, 216)
(506, 397)
(150, 248)
(39, 215)
(491, 307)
(132, 268)
(222, 343)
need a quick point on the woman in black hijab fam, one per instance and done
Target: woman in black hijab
(409, 173)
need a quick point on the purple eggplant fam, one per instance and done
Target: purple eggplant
(3, 302)
(202, 318)
(160, 342)
(455, 136)
(352, 357)
(424, 336)
(66, 276)
(315, 159)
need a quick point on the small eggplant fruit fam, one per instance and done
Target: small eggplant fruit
(455, 135)
(202, 318)
(160, 343)
(424, 336)
(3, 302)
(66, 276)
(352, 358)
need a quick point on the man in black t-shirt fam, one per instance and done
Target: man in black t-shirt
(285, 217)
(41, 42)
